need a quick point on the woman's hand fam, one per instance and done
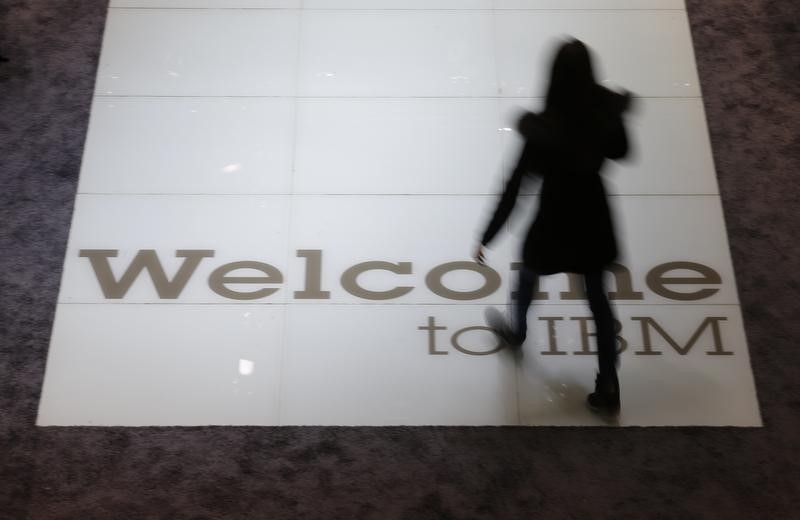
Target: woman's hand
(479, 255)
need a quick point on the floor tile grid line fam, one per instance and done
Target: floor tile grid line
(379, 10)
(342, 195)
(290, 222)
(643, 10)
(384, 303)
(505, 160)
(504, 10)
(451, 98)
(505, 164)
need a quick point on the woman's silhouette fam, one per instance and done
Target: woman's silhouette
(573, 232)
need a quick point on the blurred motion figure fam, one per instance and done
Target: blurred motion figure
(573, 231)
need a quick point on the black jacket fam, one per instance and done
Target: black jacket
(573, 229)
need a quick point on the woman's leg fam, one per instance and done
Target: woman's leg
(605, 397)
(604, 323)
(526, 287)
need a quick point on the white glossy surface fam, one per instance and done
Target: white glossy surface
(190, 52)
(375, 131)
(133, 365)
(362, 146)
(385, 374)
(189, 145)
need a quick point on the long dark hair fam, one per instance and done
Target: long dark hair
(573, 89)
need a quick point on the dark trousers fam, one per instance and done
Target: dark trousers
(598, 303)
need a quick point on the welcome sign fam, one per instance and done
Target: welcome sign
(278, 201)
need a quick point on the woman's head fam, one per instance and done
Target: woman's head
(572, 83)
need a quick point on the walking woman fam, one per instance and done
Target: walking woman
(572, 232)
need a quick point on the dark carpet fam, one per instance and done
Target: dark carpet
(748, 52)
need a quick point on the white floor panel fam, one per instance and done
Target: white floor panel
(402, 146)
(372, 365)
(138, 365)
(371, 53)
(189, 145)
(189, 52)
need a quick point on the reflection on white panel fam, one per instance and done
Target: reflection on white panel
(136, 365)
(199, 52)
(647, 52)
(370, 53)
(189, 145)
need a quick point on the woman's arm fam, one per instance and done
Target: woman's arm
(616, 145)
(509, 197)
(616, 139)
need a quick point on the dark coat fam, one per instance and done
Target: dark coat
(573, 230)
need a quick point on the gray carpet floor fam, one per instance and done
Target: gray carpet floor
(748, 53)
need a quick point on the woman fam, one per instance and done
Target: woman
(573, 232)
